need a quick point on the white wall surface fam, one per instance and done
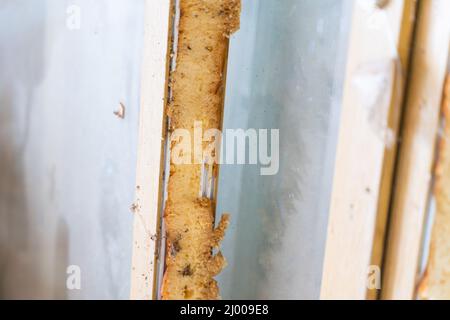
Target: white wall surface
(67, 164)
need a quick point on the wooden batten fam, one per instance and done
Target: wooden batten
(147, 206)
(417, 151)
(371, 102)
(390, 156)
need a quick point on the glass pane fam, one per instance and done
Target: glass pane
(286, 67)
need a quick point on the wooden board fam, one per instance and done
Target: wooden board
(417, 152)
(390, 156)
(369, 97)
(147, 206)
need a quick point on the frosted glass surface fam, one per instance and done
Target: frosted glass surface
(285, 71)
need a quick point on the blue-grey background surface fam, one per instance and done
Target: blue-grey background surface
(286, 67)
(67, 164)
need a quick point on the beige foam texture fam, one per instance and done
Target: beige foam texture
(198, 93)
